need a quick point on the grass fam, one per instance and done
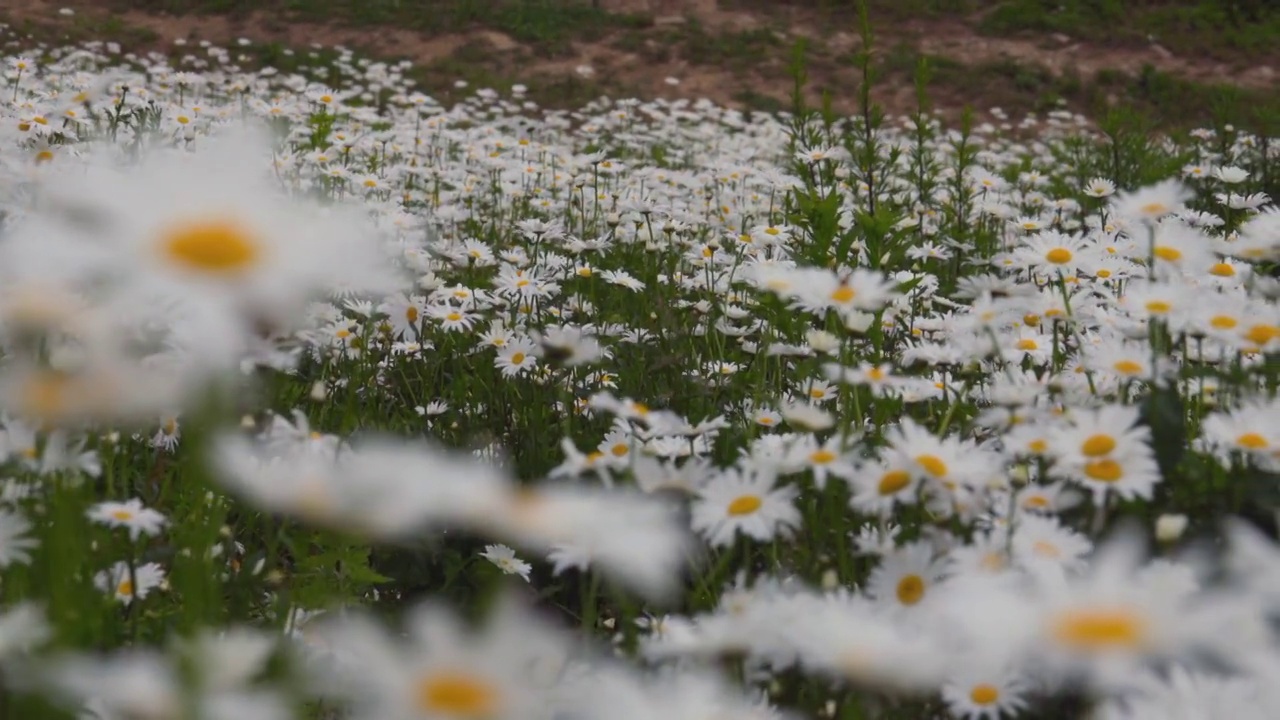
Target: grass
(546, 25)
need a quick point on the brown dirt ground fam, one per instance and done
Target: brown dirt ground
(618, 69)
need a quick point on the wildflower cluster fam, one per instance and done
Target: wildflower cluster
(767, 415)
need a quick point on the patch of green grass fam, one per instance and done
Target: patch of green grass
(752, 100)
(548, 25)
(1168, 102)
(1221, 28)
(737, 50)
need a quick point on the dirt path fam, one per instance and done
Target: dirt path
(636, 72)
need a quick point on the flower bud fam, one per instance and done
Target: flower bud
(1170, 527)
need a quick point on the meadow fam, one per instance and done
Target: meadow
(324, 399)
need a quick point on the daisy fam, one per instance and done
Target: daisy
(877, 487)
(1099, 188)
(982, 689)
(824, 459)
(450, 318)
(568, 345)
(126, 584)
(210, 227)
(128, 514)
(1106, 451)
(167, 436)
(1043, 541)
(945, 461)
(1252, 428)
(505, 559)
(906, 577)
(516, 357)
(743, 501)
(1151, 203)
(1103, 625)
(1051, 252)
(405, 313)
(15, 547)
(818, 391)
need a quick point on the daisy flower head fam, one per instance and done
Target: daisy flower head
(907, 577)
(15, 546)
(1151, 203)
(1103, 625)
(440, 669)
(504, 558)
(746, 502)
(878, 487)
(126, 583)
(210, 225)
(1050, 252)
(984, 689)
(517, 357)
(1105, 450)
(1099, 188)
(568, 345)
(130, 514)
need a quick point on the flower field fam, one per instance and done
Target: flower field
(324, 400)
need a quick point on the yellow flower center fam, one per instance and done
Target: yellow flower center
(1108, 471)
(984, 694)
(933, 465)
(1027, 344)
(517, 358)
(992, 562)
(1127, 367)
(1169, 254)
(1036, 501)
(1037, 446)
(843, 294)
(910, 589)
(47, 395)
(893, 481)
(876, 374)
(821, 457)
(1096, 445)
(1046, 549)
(1222, 270)
(619, 449)
(454, 316)
(122, 515)
(817, 393)
(215, 247)
(1099, 629)
(1262, 334)
(1252, 441)
(125, 588)
(745, 505)
(1158, 307)
(1058, 256)
(1155, 208)
(457, 695)
(1223, 322)
(1031, 319)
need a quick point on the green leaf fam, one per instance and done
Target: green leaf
(1163, 412)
